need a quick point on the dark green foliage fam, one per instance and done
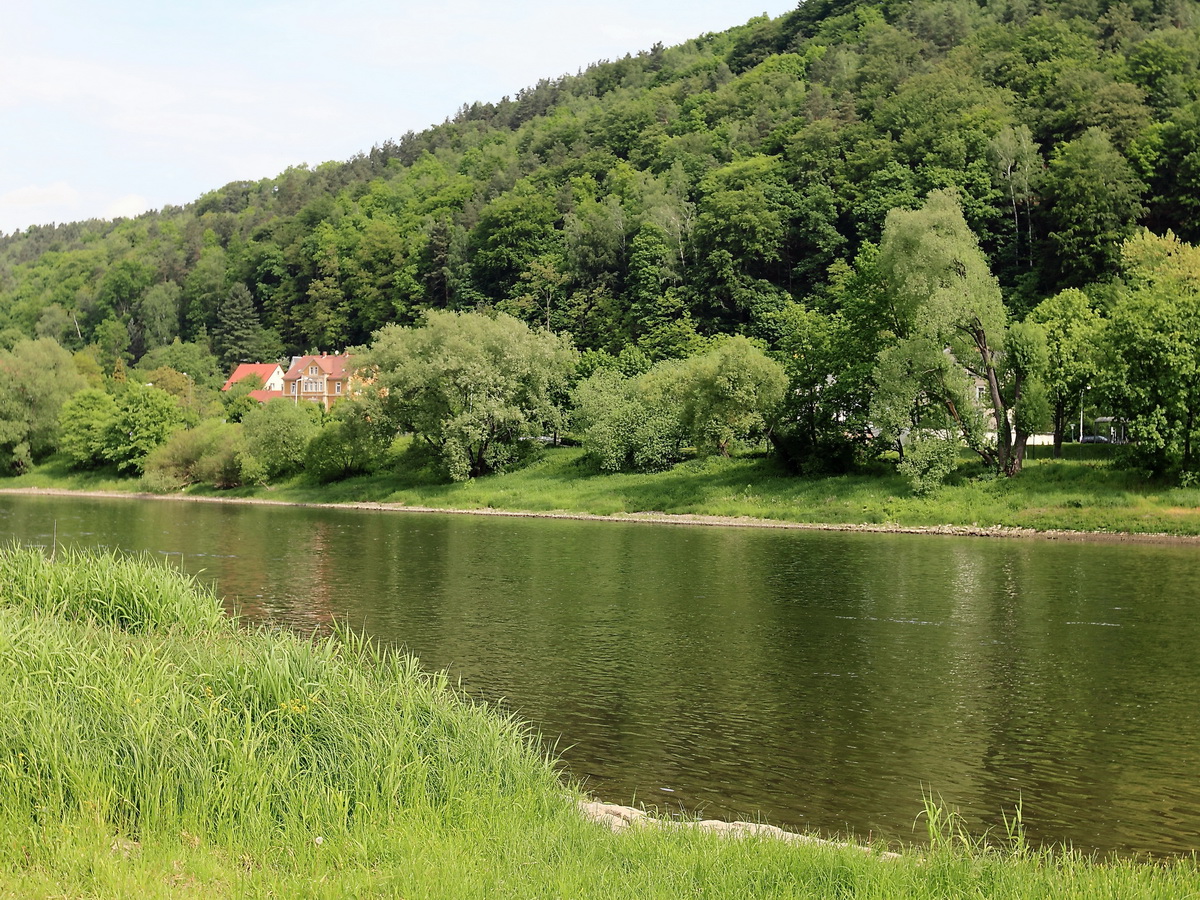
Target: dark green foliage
(238, 336)
(697, 188)
(685, 193)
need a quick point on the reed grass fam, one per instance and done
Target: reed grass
(150, 747)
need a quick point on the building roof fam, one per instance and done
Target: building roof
(333, 365)
(263, 370)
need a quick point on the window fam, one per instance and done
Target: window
(337, 387)
(293, 387)
(311, 386)
(312, 370)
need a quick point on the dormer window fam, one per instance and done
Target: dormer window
(313, 370)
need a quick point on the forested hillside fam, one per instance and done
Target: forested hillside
(739, 183)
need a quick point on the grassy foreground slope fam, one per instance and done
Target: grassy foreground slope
(149, 747)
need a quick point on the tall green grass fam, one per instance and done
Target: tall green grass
(150, 747)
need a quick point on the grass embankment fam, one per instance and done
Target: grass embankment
(150, 748)
(1082, 493)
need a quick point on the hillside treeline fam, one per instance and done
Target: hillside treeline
(737, 184)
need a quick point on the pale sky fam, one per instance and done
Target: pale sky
(112, 108)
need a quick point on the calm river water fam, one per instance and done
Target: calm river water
(818, 680)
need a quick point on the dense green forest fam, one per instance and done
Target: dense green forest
(827, 185)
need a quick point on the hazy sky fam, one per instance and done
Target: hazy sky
(113, 108)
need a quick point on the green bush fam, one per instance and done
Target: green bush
(208, 453)
(928, 461)
(275, 438)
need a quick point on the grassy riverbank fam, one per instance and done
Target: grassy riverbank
(151, 748)
(1078, 494)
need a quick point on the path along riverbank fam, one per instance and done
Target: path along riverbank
(656, 518)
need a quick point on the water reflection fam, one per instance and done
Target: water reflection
(824, 680)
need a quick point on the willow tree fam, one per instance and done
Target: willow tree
(477, 389)
(956, 368)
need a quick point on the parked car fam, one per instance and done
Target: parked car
(1094, 439)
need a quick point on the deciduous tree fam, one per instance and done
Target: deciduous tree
(476, 388)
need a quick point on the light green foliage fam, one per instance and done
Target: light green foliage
(1152, 376)
(726, 396)
(36, 378)
(210, 453)
(928, 461)
(54, 322)
(347, 444)
(196, 402)
(625, 425)
(954, 356)
(145, 418)
(112, 343)
(115, 591)
(275, 438)
(203, 288)
(84, 422)
(156, 315)
(733, 395)
(475, 387)
(192, 359)
(1073, 333)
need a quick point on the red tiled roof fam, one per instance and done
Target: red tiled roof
(263, 370)
(331, 365)
(264, 395)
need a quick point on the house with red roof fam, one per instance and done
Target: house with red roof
(322, 378)
(270, 374)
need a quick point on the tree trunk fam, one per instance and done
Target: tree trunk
(1060, 427)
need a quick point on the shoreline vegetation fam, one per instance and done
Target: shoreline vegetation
(176, 753)
(1065, 499)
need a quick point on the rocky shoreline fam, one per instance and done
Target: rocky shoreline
(618, 818)
(654, 518)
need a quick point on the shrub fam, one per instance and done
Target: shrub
(208, 453)
(928, 461)
(275, 438)
(83, 422)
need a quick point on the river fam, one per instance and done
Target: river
(817, 680)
